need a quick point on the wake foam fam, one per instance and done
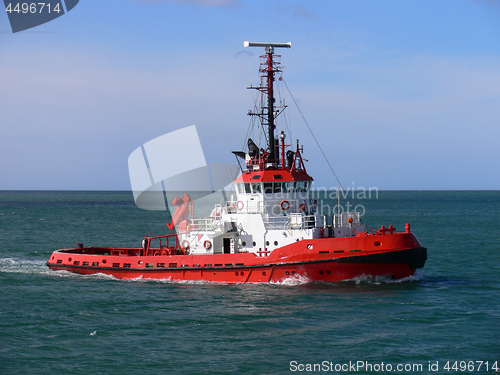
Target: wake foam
(292, 280)
(38, 267)
(377, 280)
(27, 266)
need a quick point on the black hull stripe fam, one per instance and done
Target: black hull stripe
(415, 258)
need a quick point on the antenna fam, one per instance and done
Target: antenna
(269, 46)
(270, 70)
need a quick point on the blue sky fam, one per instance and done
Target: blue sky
(400, 94)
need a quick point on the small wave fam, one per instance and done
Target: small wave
(13, 265)
(38, 267)
(377, 280)
(292, 280)
(141, 279)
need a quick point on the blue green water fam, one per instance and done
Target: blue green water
(58, 322)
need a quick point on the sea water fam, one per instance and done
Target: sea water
(445, 317)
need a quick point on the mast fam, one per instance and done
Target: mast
(269, 90)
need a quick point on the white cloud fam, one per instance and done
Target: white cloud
(296, 10)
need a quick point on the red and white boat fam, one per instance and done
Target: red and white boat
(269, 230)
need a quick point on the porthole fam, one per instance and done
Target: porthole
(321, 272)
(104, 261)
(376, 243)
(243, 243)
(254, 243)
(310, 246)
(267, 243)
(287, 273)
(263, 273)
(275, 243)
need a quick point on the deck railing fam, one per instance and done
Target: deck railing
(347, 219)
(161, 245)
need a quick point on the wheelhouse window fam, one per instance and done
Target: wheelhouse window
(273, 187)
(256, 187)
(302, 186)
(285, 187)
(288, 187)
(247, 188)
(268, 187)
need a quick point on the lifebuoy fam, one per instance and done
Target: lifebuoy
(185, 244)
(207, 244)
(285, 205)
(240, 205)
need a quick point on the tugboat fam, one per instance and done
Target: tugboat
(269, 230)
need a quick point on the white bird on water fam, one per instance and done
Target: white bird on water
(93, 333)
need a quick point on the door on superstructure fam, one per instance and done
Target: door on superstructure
(226, 244)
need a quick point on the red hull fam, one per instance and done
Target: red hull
(395, 255)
